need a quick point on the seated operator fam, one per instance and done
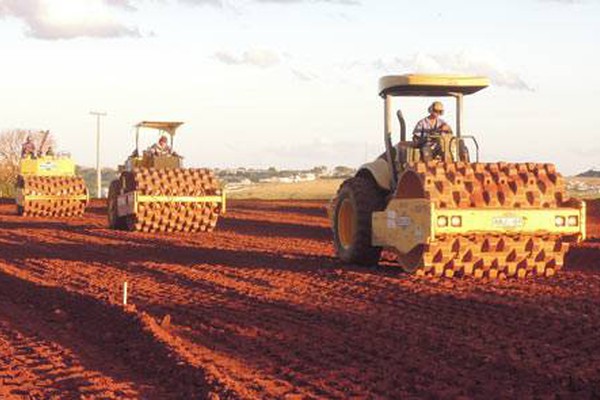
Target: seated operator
(161, 148)
(429, 126)
(28, 148)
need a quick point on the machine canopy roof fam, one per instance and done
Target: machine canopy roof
(430, 85)
(169, 127)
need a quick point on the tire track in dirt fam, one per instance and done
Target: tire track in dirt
(60, 344)
(265, 310)
(32, 366)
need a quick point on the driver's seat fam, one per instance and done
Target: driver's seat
(410, 152)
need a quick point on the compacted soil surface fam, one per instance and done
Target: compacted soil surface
(261, 309)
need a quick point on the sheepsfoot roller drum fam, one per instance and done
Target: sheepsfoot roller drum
(442, 214)
(47, 187)
(494, 220)
(166, 200)
(154, 193)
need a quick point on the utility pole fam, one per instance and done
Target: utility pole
(98, 171)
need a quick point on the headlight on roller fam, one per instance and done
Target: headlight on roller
(456, 221)
(573, 220)
(559, 221)
(442, 221)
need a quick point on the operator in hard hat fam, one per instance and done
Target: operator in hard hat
(28, 148)
(428, 126)
(161, 148)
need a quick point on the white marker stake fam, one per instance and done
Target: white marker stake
(125, 293)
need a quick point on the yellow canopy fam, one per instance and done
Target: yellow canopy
(169, 127)
(431, 85)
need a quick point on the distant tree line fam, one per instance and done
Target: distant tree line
(89, 176)
(10, 155)
(256, 174)
(591, 173)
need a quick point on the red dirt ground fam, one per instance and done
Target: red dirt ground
(261, 309)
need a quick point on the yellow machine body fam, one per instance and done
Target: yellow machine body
(151, 161)
(155, 193)
(444, 214)
(47, 166)
(129, 203)
(48, 186)
(408, 223)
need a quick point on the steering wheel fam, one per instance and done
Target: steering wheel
(459, 151)
(431, 144)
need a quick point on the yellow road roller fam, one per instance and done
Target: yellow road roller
(47, 186)
(155, 193)
(445, 213)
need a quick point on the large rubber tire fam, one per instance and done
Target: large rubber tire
(356, 200)
(19, 185)
(114, 221)
(129, 222)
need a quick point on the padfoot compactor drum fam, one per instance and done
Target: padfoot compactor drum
(154, 193)
(449, 215)
(48, 187)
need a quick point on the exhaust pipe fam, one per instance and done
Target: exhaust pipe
(402, 125)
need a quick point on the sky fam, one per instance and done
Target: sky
(293, 83)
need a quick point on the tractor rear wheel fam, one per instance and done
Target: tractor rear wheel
(130, 222)
(356, 200)
(114, 221)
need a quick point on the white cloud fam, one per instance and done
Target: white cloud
(222, 3)
(564, 1)
(264, 58)
(125, 4)
(218, 3)
(459, 63)
(67, 19)
(261, 58)
(343, 2)
(304, 74)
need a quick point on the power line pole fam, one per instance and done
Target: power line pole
(98, 171)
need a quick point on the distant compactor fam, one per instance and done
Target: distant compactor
(48, 187)
(156, 194)
(450, 216)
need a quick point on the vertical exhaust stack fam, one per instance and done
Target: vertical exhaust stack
(402, 125)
